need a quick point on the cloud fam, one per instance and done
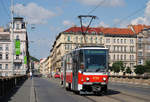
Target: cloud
(107, 3)
(67, 23)
(33, 13)
(145, 19)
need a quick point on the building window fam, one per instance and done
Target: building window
(121, 57)
(17, 57)
(17, 66)
(131, 48)
(68, 38)
(132, 57)
(121, 41)
(17, 37)
(76, 39)
(1, 56)
(140, 39)
(1, 48)
(107, 40)
(96, 40)
(7, 48)
(125, 48)
(17, 26)
(114, 40)
(114, 48)
(121, 49)
(140, 46)
(7, 56)
(140, 53)
(6, 66)
(93, 32)
(91, 40)
(140, 61)
(114, 56)
(124, 57)
(0, 66)
(118, 48)
(117, 40)
(86, 39)
(131, 41)
(125, 41)
(101, 40)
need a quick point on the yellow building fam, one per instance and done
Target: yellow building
(121, 42)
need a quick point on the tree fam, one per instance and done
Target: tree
(116, 67)
(122, 67)
(128, 70)
(139, 69)
(147, 66)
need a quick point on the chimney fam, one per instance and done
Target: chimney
(131, 27)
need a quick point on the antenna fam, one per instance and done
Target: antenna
(84, 31)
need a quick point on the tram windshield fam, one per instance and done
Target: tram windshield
(95, 60)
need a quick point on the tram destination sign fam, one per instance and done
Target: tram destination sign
(95, 52)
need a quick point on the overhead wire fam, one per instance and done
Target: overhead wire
(130, 15)
(99, 4)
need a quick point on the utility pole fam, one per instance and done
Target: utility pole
(85, 29)
(12, 35)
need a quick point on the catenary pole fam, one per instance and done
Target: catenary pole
(12, 35)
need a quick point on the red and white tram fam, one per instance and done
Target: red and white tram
(85, 70)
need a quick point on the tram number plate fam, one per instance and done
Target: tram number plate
(96, 78)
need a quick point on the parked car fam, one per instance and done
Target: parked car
(56, 75)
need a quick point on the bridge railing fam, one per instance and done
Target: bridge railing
(130, 76)
(141, 80)
(7, 84)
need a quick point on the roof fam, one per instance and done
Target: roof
(111, 31)
(139, 28)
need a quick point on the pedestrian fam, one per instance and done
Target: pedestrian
(30, 75)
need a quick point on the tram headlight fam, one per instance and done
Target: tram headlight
(104, 78)
(87, 78)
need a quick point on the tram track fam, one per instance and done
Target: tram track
(115, 98)
(136, 97)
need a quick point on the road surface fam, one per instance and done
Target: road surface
(49, 90)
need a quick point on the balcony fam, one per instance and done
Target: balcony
(17, 60)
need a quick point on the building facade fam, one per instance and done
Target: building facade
(5, 53)
(14, 49)
(143, 46)
(122, 43)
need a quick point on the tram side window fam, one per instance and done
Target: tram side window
(81, 60)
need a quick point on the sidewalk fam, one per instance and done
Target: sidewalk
(23, 93)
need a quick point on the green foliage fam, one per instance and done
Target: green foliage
(117, 66)
(128, 70)
(139, 69)
(147, 66)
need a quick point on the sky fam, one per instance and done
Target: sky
(50, 17)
